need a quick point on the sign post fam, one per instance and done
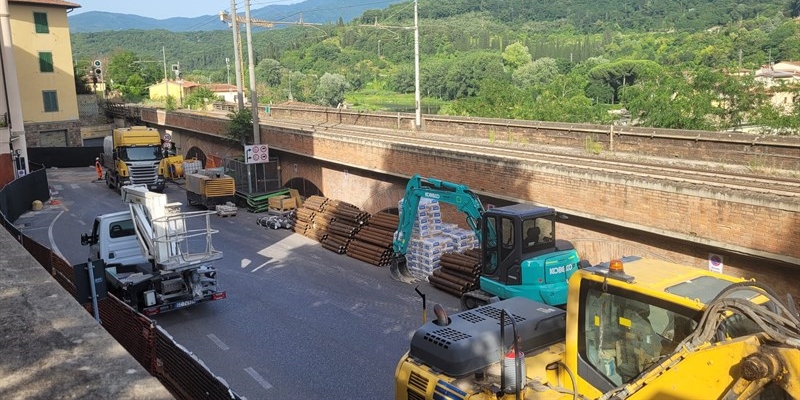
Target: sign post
(255, 154)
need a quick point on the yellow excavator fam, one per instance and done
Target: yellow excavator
(633, 328)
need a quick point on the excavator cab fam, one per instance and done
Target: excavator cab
(521, 256)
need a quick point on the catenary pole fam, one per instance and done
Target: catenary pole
(236, 58)
(251, 66)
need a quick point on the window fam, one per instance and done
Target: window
(624, 336)
(40, 20)
(45, 61)
(122, 229)
(50, 98)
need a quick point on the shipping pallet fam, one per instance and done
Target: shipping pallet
(227, 211)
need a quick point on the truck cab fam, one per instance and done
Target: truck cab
(121, 247)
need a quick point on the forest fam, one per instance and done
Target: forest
(684, 64)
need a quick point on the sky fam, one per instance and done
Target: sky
(162, 9)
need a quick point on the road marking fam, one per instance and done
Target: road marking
(245, 262)
(260, 266)
(261, 381)
(75, 186)
(52, 239)
(58, 188)
(218, 342)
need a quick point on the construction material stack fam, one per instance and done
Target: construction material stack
(430, 239)
(333, 223)
(458, 273)
(373, 243)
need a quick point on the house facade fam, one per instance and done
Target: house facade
(180, 90)
(43, 56)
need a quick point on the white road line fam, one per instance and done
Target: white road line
(217, 341)
(261, 381)
(260, 266)
(52, 239)
(75, 186)
(58, 187)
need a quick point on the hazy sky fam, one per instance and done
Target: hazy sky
(161, 9)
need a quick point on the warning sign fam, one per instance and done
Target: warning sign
(715, 263)
(256, 154)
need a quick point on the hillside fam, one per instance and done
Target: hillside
(312, 11)
(666, 62)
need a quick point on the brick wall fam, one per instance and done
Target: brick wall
(613, 216)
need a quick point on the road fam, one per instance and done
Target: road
(299, 321)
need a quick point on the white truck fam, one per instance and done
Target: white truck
(157, 258)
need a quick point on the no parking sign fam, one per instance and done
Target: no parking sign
(256, 154)
(715, 263)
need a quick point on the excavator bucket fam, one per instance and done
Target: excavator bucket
(398, 269)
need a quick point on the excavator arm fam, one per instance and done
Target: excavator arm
(744, 367)
(417, 188)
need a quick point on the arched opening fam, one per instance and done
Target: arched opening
(304, 187)
(197, 153)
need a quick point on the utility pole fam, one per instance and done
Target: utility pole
(166, 77)
(237, 60)
(418, 121)
(251, 66)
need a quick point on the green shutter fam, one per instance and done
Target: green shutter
(46, 61)
(40, 20)
(50, 98)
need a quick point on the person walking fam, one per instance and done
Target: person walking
(98, 168)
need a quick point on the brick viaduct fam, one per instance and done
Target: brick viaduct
(757, 236)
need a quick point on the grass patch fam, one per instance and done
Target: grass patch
(591, 146)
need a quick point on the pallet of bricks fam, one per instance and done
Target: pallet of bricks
(333, 223)
(431, 239)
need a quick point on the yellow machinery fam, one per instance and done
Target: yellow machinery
(210, 187)
(172, 167)
(633, 328)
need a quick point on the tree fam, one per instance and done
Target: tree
(539, 72)
(330, 90)
(619, 74)
(516, 55)
(268, 71)
(200, 97)
(240, 126)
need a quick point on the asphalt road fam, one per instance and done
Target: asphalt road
(299, 321)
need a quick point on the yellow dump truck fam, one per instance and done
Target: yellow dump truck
(209, 187)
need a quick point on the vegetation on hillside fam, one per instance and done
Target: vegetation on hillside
(671, 64)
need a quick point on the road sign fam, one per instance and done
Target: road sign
(715, 263)
(256, 154)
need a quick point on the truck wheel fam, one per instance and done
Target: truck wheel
(108, 181)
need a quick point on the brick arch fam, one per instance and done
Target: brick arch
(384, 200)
(186, 143)
(196, 152)
(305, 187)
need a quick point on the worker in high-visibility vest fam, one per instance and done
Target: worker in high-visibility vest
(98, 168)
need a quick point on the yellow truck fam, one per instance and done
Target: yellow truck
(132, 156)
(633, 329)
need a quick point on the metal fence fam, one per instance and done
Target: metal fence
(254, 179)
(183, 374)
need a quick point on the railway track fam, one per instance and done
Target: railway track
(634, 167)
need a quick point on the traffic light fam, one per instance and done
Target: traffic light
(97, 67)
